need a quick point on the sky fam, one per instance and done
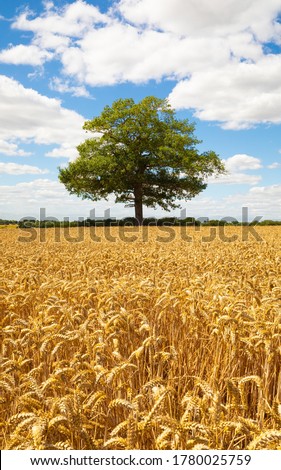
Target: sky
(218, 63)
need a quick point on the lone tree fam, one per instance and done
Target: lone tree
(142, 154)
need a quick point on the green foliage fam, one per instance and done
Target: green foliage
(7, 222)
(142, 154)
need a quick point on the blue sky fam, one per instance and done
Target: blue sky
(218, 63)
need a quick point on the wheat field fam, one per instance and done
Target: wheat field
(141, 345)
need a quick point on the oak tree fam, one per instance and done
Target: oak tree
(142, 154)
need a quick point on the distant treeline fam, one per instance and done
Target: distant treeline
(151, 221)
(8, 222)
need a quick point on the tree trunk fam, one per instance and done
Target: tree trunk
(138, 203)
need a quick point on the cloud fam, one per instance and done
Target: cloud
(12, 149)
(51, 41)
(202, 17)
(239, 95)
(274, 165)
(217, 51)
(64, 151)
(235, 166)
(25, 55)
(272, 193)
(16, 169)
(121, 53)
(115, 52)
(236, 178)
(27, 116)
(64, 86)
(242, 162)
(264, 201)
(71, 20)
(26, 198)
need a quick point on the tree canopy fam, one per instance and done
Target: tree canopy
(142, 154)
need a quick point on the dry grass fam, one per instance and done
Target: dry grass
(142, 345)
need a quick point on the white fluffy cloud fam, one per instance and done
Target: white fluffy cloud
(235, 166)
(205, 17)
(120, 53)
(64, 151)
(242, 162)
(16, 169)
(27, 116)
(25, 55)
(268, 193)
(73, 19)
(274, 165)
(201, 42)
(264, 201)
(216, 50)
(236, 178)
(64, 86)
(11, 149)
(239, 95)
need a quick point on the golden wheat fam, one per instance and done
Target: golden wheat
(142, 345)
